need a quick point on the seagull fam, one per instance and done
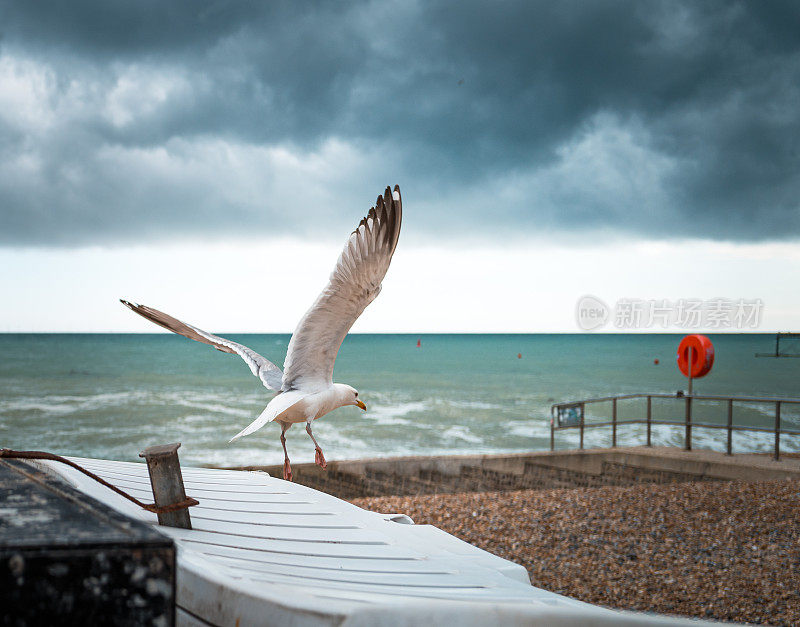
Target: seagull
(305, 387)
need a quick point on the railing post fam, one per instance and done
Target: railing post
(613, 423)
(688, 437)
(777, 431)
(552, 431)
(583, 410)
(729, 449)
(649, 419)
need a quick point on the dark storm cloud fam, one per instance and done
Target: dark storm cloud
(124, 121)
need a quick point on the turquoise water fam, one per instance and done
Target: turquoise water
(112, 395)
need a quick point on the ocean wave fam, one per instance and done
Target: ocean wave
(472, 404)
(230, 404)
(529, 429)
(63, 405)
(386, 415)
(216, 408)
(192, 419)
(461, 432)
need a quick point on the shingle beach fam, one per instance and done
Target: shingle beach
(714, 550)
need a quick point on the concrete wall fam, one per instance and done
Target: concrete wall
(541, 470)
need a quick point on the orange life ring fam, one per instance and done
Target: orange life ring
(702, 355)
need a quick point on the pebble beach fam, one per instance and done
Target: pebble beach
(713, 550)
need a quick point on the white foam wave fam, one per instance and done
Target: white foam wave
(193, 419)
(216, 408)
(54, 405)
(529, 429)
(386, 415)
(461, 432)
(472, 404)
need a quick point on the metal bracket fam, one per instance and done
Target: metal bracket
(167, 482)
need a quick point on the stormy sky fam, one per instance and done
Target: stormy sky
(142, 121)
(546, 151)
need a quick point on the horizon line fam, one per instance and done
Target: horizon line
(414, 333)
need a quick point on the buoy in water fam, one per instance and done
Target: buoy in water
(519, 355)
(655, 361)
(419, 343)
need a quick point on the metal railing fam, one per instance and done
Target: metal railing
(577, 420)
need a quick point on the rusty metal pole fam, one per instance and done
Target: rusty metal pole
(614, 423)
(649, 420)
(582, 414)
(167, 483)
(777, 431)
(688, 436)
(729, 450)
(552, 431)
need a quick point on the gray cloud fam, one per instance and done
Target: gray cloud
(123, 122)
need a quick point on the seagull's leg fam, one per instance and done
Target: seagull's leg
(319, 458)
(287, 468)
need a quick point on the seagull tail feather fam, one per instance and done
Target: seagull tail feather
(266, 416)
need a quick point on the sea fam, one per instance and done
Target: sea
(110, 396)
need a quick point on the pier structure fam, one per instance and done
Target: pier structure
(784, 353)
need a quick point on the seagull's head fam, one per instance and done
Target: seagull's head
(348, 396)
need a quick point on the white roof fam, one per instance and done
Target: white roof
(267, 551)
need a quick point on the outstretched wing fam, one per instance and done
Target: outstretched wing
(354, 284)
(270, 375)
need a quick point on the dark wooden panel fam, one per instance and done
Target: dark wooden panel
(67, 559)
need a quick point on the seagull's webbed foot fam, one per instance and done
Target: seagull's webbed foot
(319, 458)
(287, 470)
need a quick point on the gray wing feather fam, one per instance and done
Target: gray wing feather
(270, 375)
(354, 283)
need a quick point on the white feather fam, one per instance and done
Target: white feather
(275, 408)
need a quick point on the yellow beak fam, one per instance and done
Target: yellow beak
(361, 405)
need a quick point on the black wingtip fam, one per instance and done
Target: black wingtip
(382, 208)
